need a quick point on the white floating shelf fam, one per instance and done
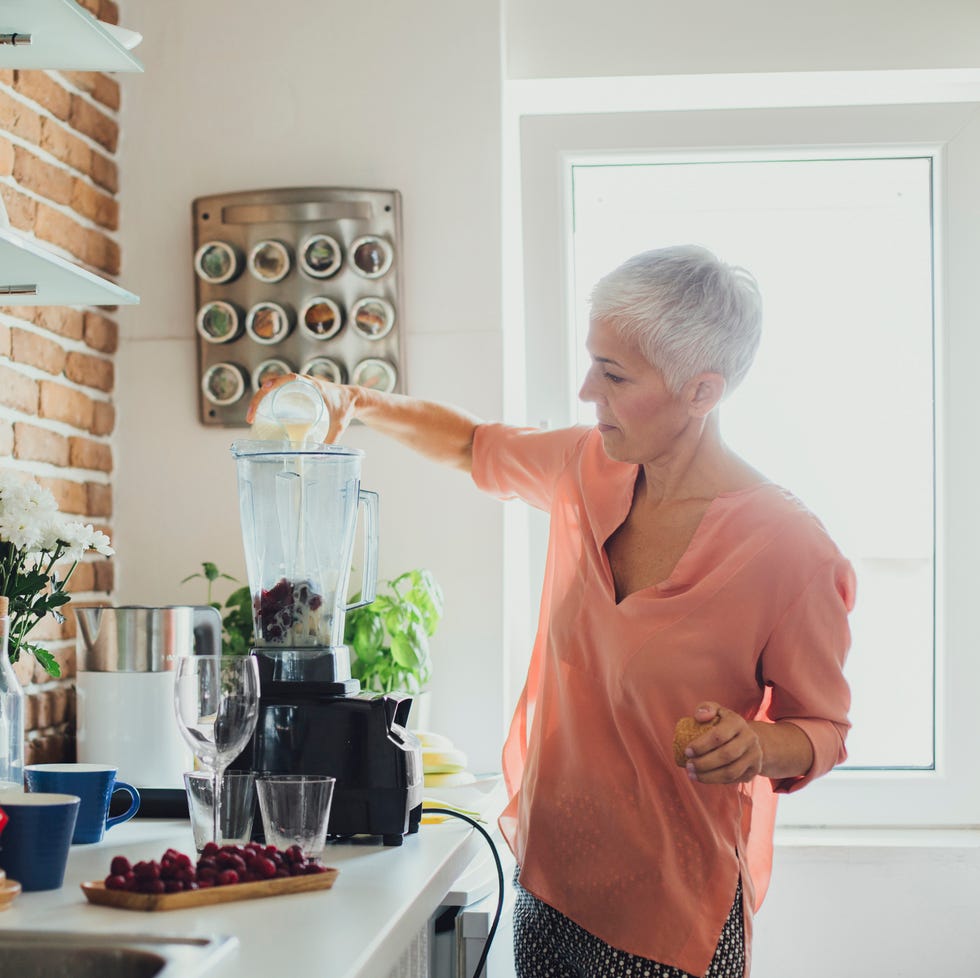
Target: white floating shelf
(62, 35)
(30, 275)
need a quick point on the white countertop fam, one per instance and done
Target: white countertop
(382, 898)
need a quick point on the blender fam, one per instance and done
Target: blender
(299, 513)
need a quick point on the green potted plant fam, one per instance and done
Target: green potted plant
(390, 636)
(236, 615)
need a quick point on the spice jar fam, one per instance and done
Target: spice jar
(320, 256)
(375, 373)
(326, 368)
(268, 322)
(321, 318)
(270, 261)
(372, 317)
(219, 322)
(269, 370)
(223, 384)
(371, 256)
(217, 262)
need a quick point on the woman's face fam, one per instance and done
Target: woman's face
(638, 417)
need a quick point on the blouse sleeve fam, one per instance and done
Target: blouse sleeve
(522, 463)
(803, 661)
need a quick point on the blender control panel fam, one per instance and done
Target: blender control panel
(299, 280)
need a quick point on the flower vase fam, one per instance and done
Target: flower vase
(11, 715)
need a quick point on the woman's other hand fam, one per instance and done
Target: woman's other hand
(736, 750)
(728, 752)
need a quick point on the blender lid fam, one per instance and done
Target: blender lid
(249, 448)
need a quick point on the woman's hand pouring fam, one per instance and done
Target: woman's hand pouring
(339, 401)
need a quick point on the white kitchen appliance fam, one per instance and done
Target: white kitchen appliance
(126, 658)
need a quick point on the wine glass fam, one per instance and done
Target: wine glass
(216, 699)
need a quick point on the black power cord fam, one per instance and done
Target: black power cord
(500, 880)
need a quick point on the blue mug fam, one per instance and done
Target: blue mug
(95, 784)
(34, 845)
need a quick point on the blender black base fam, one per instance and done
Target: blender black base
(313, 720)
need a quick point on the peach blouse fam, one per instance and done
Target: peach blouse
(606, 828)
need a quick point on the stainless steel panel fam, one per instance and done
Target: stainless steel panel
(291, 216)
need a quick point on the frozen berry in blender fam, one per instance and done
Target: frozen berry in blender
(282, 607)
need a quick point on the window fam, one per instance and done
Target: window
(857, 223)
(842, 249)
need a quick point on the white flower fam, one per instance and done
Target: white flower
(79, 537)
(20, 529)
(49, 533)
(30, 521)
(24, 500)
(100, 544)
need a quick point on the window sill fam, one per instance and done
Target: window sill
(853, 837)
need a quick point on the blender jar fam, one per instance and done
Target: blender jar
(299, 508)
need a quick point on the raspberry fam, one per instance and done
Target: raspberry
(120, 866)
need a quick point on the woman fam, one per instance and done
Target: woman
(678, 580)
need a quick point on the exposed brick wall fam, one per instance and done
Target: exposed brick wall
(59, 132)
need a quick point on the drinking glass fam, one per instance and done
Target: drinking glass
(216, 699)
(237, 807)
(295, 810)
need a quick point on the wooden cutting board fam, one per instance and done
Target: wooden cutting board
(96, 892)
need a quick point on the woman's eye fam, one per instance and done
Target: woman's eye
(613, 379)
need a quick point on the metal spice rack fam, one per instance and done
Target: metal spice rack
(304, 280)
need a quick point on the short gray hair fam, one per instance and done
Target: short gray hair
(688, 312)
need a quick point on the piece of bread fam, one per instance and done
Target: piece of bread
(689, 729)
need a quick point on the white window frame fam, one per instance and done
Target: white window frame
(545, 136)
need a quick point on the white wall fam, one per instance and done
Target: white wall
(894, 908)
(238, 95)
(583, 39)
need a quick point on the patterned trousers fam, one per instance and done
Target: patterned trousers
(549, 945)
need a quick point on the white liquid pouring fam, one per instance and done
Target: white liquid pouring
(294, 412)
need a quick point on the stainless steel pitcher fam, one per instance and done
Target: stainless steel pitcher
(126, 657)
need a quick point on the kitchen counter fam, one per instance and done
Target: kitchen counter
(381, 900)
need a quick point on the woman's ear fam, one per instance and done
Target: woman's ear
(703, 392)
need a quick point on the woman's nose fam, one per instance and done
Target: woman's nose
(587, 392)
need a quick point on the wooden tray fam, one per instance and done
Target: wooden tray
(95, 892)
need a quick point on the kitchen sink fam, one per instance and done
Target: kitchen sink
(56, 954)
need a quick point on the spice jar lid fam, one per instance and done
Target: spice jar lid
(371, 255)
(270, 261)
(223, 383)
(327, 368)
(268, 370)
(374, 373)
(218, 322)
(321, 318)
(217, 262)
(320, 256)
(372, 317)
(268, 322)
